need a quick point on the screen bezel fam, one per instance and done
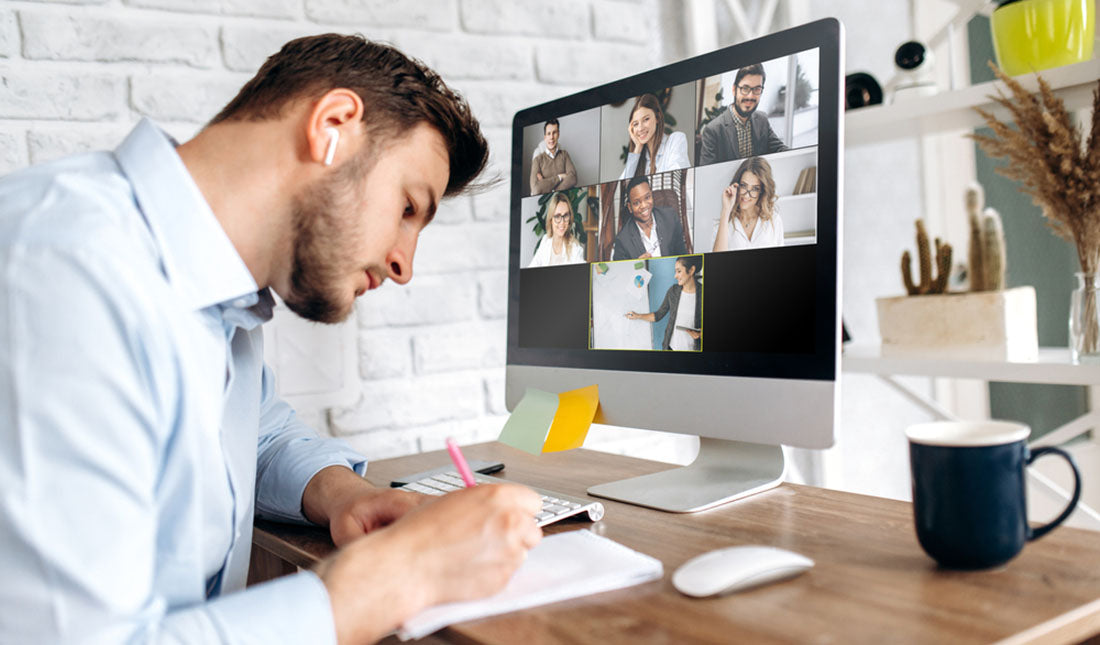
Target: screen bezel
(824, 35)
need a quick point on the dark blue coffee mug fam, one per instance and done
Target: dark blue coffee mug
(970, 491)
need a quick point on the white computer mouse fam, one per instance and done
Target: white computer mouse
(736, 568)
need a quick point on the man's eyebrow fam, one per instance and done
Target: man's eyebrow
(433, 203)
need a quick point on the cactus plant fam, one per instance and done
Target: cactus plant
(928, 284)
(975, 200)
(993, 251)
(987, 243)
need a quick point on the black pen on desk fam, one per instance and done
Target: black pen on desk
(460, 463)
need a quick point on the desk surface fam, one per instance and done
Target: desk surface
(872, 582)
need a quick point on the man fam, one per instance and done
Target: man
(139, 424)
(741, 131)
(551, 167)
(653, 230)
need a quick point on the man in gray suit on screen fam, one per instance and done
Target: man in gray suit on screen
(741, 131)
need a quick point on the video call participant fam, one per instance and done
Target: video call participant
(652, 151)
(741, 131)
(652, 231)
(748, 219)
(551, 167)
(685, 299)
(559, 246)
(139, 427)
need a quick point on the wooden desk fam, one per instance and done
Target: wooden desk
(872, 582)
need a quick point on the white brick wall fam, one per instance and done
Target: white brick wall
(90, 36)
(76, 76)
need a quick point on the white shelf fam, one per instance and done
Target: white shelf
(1053, 366)
(953, 111)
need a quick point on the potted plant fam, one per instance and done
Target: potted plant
(1060, 170)
(986, 322)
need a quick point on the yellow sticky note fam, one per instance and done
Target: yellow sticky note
(576, 409)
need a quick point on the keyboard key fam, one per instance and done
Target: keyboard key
(417, 488)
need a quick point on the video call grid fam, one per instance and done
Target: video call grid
(709, 159)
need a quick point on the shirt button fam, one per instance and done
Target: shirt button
(240, 303)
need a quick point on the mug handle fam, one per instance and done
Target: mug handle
(1035, 534)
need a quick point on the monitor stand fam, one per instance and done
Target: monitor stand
(722, 472)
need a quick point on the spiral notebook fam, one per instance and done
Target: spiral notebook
(562, 566)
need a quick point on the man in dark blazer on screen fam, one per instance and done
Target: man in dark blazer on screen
(741, 131)
(654, 230)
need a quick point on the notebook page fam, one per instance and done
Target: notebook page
(562, 566)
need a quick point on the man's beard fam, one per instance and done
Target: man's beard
(744, 114)
(320, 247)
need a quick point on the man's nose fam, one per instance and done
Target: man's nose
(399, 261)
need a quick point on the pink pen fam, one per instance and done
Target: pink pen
(460, 463)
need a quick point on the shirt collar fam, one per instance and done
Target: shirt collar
(199, 260)
(737, 115)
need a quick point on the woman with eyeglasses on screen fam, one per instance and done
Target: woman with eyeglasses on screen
(749, 219)
(652, 151)
(559, 246)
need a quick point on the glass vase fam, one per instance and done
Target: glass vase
(1084, 319)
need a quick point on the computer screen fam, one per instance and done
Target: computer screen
(675, 240)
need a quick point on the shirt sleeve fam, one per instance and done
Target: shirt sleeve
(289, 454)
(677, 152)
(570, 178)
(631, 165)
(709, 152)
(88, 399)
(544, 185)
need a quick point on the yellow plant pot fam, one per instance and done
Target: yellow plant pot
(1032, 35)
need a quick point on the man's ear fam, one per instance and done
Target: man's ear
(340, 109)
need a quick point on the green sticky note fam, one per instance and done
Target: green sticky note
(530, 422)
(639, 265)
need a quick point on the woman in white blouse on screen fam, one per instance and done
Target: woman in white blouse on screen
(651, 150)
(559, 246)
(749, 219)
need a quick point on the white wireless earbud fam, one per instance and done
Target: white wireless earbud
(333, 139)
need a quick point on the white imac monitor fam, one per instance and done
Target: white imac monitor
(675, 239)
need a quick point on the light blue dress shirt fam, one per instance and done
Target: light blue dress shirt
(139, 427)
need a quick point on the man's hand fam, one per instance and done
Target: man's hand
(350, 506)
(460, 546)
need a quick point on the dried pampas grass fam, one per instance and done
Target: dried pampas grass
(1052, 164)
(1061, 173)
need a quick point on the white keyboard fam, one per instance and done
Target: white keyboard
(555, 506)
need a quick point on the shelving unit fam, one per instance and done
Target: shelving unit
(952, 111)
(1053, 366)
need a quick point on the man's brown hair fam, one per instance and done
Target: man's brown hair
(398, 93)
